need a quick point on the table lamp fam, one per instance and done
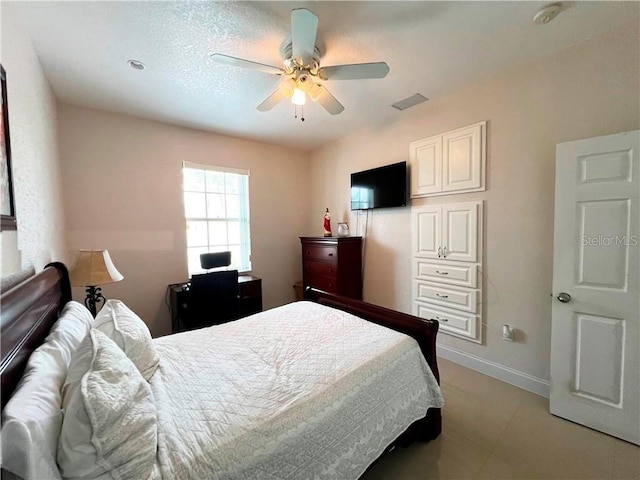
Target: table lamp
(93, 268)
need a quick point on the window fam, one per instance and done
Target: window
(361, 198)
(216, 209)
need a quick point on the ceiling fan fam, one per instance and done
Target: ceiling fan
(302, 70)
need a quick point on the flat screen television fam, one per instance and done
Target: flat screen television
(382, 187)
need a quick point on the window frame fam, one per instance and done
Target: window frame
(243, 264)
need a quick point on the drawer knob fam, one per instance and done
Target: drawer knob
(442, 273)
(331, 254)
(442, 296)
(442, 319)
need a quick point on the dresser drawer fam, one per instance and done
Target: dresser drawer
(463, 275)
(451, 321)
(328, 284)
(320, 268)
(446, 296)
(316, 252)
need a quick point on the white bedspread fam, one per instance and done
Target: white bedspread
(297, 392)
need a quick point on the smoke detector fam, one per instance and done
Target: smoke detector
(547, 13)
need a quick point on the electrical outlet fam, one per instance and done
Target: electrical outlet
(508, 333)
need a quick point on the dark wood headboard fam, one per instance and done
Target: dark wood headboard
(27, 312)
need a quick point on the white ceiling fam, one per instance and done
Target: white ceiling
(431, 48)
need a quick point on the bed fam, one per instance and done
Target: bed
(281, 417)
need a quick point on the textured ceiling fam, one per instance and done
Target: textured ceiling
(431, 47)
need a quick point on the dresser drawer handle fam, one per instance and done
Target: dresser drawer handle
(442, 296)
(442, 273)
(331, 254)
(442, 319)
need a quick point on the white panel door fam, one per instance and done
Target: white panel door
(426, 166)
(427, 236)
(460, 231)
(595, 339)
(462, 159)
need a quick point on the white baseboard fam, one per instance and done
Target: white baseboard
(508, 375)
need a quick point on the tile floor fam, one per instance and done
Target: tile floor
(493, 430)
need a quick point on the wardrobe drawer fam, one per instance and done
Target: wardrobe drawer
(317, 252)
(328, 284)
(451, 321)
(446, 296)
(463, 275)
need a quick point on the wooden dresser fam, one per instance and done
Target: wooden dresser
(333, 264)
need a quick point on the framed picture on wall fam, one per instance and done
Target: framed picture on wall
(7, 205)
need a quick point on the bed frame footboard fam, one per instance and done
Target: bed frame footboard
(422, 330)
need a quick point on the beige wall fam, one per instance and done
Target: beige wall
(123, 181)
(39, 238)
(592, 89)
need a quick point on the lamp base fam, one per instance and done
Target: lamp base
(93, 298)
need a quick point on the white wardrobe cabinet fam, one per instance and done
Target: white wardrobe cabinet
(447, 232)
(447, 259)
(452, 162)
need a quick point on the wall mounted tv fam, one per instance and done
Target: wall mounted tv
(382, 187)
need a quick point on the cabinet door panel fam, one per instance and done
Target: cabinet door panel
(427, 234)
(462, 159)
(460, 231)
(426, 166)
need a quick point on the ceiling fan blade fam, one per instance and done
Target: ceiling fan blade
(329, 102)
(304, 25)
(358, 71)
(271, 101)
(240, 62)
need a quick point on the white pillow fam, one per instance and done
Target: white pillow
(73, 325)
(110, 419)
(131, 334)
(32, 418)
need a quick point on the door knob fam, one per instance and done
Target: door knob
(564, 297)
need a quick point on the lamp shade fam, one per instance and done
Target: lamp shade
(94, 267)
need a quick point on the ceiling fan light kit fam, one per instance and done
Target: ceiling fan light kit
(302, 68)
(298, 97)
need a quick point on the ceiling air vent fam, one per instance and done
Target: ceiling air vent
(409, 102)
